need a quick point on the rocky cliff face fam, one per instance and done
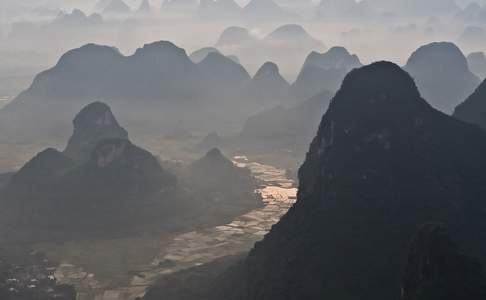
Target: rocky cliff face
(92, 124)
(437, 270)
(383, 163)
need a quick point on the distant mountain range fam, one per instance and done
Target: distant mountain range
(160, 81)
(285, 45)
(254, 10)
(157, 80)
(159, 75)
(282, 36)
(76, 18)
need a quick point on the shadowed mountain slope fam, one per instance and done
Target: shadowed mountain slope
(437, 270)
(383, 163)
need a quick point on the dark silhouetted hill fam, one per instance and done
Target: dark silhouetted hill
(108, 184)
(103, 185)
(383, 163)
(115, 189)
(92, 124)
(216, 176)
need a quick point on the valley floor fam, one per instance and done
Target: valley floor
(94, 276)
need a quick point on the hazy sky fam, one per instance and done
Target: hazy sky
(82, 4)
(87, 5)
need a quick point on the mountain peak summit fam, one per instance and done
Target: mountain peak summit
(215, 154)
(436, 52)
(381, 83)
(334, 58)
(380, 76)
(92, 124)
(268, 69)
(160, 47)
